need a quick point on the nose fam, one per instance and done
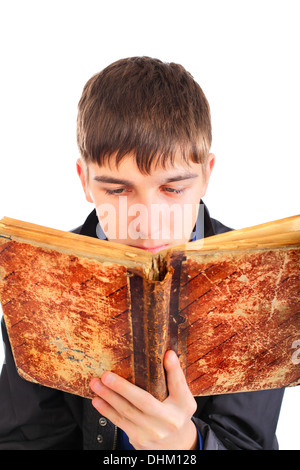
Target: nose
(142, 223)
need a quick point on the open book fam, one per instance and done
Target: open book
(229, 305)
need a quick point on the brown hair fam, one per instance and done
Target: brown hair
(145, 106)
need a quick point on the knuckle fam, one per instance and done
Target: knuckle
(128, 412)
(192, 406)
(119, 421)
(139, 442)
(174, 424)
(147, 404)
(159, 435)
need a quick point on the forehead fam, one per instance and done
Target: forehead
(127, 168)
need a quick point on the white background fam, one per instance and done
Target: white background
(245, 56)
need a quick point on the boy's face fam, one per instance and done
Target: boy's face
(151, 212)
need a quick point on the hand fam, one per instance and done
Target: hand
(149, 423)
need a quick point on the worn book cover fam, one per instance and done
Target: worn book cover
(75, 306)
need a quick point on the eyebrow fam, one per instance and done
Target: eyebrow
(112, 180)
(185, 176)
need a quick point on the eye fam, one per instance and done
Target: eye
(173, 190)
(115, 191)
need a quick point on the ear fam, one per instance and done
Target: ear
(83, 176)
(210, 165)
(208, 170)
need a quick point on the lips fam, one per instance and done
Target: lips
(153, 249)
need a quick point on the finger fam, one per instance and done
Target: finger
(116, 401)
(139, 427)
(178, 389)
(125, 408)
(143, 430)
(105, 409)
(135, 395)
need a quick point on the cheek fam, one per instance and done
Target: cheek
(190, 208)
(182, 219)
(113, 217)
(199, 191)
(108, 216)
(186, 219)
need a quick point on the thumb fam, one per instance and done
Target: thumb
(176, 382)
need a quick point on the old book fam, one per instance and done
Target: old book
(75, 306)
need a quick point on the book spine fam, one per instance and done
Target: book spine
(155, 325)
(177, 340)
(150, 302)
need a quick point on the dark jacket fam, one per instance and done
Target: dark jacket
(37, 417)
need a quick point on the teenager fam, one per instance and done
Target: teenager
(144, 135)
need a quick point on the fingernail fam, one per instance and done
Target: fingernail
(107, 378)
(172, 356)
(96, 385)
